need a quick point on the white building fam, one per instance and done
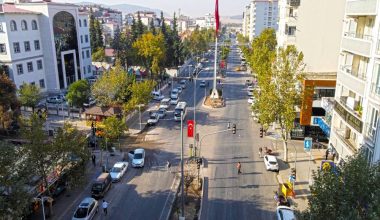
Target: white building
(147, 17)
(206, 22)
(259, 15)
(357, 99)
(44, 43)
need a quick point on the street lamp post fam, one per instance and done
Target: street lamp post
(140, 105)
(182, 176)
(195, 106)
(189, 69)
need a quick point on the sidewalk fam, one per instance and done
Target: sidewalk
(304, 162)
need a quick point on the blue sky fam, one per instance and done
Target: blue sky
(192, 8)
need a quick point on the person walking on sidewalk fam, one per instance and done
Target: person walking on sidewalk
(93, 158)
(168, 165)
(105, 206)
(260, 151)
(238, 166)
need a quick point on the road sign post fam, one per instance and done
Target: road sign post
(308, 141)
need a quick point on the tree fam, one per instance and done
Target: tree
(114, 127)
(152, 28)
(176, 44)
(29, 95)
(92, 30)
(112, 87)
(78, 93)
(8, 101)
(116, 42)
(99, 35)
(152, 49)
(140, 27)
(13, 176)
(99, 55)
(350, 192)
(140, 94)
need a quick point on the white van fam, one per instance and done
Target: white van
(156, 95)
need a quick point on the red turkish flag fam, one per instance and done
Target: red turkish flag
(216, 17)
(190, 128)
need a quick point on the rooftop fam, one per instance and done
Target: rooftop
(321, 76)
(12, 9)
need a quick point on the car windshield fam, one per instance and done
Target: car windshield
(97, 186)
(174, 92)
(272, 162)
(115, 169)
(153, 117)
(177, 112)
(161, 112)
(138, 156)
(81, 213)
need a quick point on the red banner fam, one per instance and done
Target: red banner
(190, 128)
(216, 17)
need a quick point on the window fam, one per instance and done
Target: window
(291, 30)
(1, 27)
(32, 83)
(20, 70)
(84, 70)
(13, 26)
(81, 39)
(24, 25)
(80, 23)
(42, 83)
(29, 66)
(27, 46)
(87, 53)
(37, 45)
(16, 47)
(85, 22)
(88, 69)
(82, 54)
(5, 69)
(86, 38)
(39, 64)
(3, 49)
(34, 25)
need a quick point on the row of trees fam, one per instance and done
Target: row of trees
(279, 74)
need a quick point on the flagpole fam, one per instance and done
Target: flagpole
(215, 94)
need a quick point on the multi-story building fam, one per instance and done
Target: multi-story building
(258, 15)
(314, 28)
(206, 22)
(357, 99)
(147, 17)
(44, 43)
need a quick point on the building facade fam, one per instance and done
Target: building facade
(259, 15)
(357, 100)
(44, 43)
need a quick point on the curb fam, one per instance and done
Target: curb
(173, 194)
(204, 186)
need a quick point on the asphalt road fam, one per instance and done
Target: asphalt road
(229, 195)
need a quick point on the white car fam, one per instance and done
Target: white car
(182, 83)
(174, 101)
(285, 213)
(86, 209)
(179, 88)
(271, 162)
(174, 94)
(137, 157)
(156, 95)
(165, 103)
(251, 100)
(161, 113)
(90, 102)
(118, 170)
(202, 83)
(153, 119)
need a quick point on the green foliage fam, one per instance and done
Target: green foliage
(152, 28)
(242, 39)
(8, 101)
(151, 48)
(199, 41)
(141, 94)
(225, 52)
(12, 180)
(98, 55)
(114, 127)
(78, 93)
(112, 87)
(140, 27)
(96, 35)
(352, 193)
(29, 95)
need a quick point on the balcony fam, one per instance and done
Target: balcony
(357, 44)
(361, 7)
(351, 117)
(351, 81)
(349, 143)
(354, 72)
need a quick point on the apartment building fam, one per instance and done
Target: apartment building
(357, 99)
(206, 22)
(44, 43)
(258, 15)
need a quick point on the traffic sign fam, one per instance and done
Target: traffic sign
(190, 128)
(308, 141)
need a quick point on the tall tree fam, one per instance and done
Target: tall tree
(78, 93)
(114, 127)
(116, 42)
(140, 26)
(99, 34)
(8, 101)
(350, 192)
(176, 44)
(93, 34)
(29, 95)
(134, 32)
(152, 49)
(152, 28)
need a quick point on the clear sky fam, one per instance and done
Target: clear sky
(193, 8)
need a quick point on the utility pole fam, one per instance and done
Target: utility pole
(195, 106)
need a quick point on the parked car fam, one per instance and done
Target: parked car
(174, 101)
(137, 157)
(157, 96)
(179, 88)
(174, 94)
(271, 162)
(54, 100)
(118, 170)
(101, 185)
(285, 213)
(202, 83)
(182, 83)
(153, 119)
(165, 103)
(91, 101)
(161, 113)
(86, 209)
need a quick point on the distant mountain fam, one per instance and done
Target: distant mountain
(237, 17)
(128, 8)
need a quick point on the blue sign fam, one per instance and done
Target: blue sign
(307, 143)
(324, 127)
